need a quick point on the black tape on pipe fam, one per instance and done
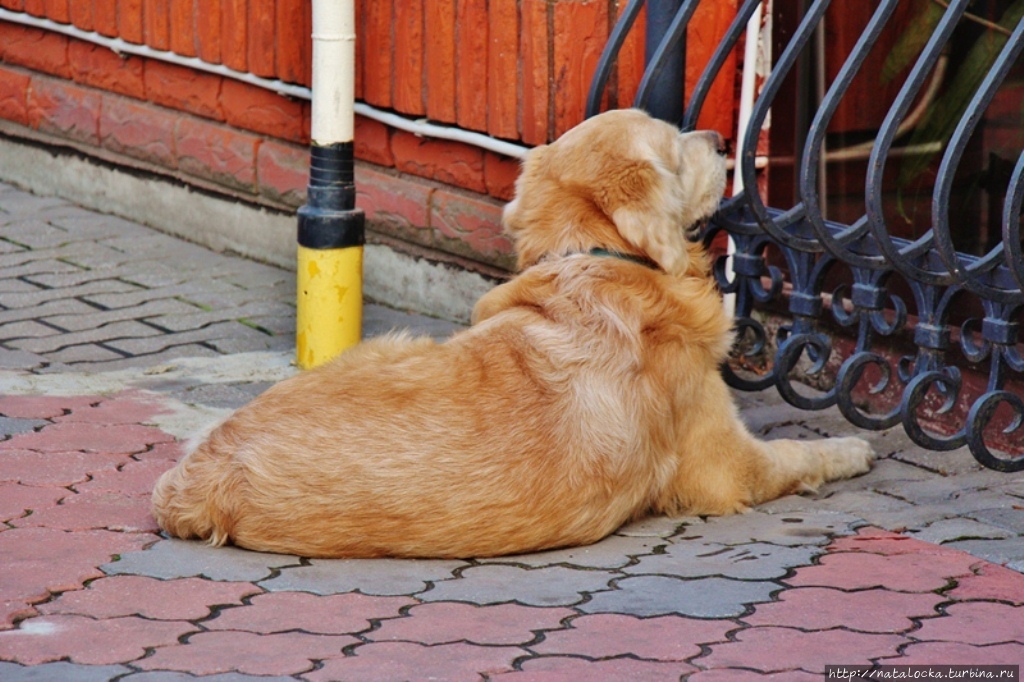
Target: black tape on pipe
(330, 218)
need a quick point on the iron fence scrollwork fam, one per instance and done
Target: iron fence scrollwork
(807, 246)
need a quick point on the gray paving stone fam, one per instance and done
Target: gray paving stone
(11, 359)
(1008, 551)
(197, 319)
(380, 577)
(495, 584)
(61, 307)
(149, 359)
(378, 320)
(60, 672)
(788, 529)
(158, 342)
(24, 330)
(183, 559)
(10, 426)
(1009, 517)
(180, 290)
(115, 331)
(657, 526)
(661, 595)
(754, 561)
(14, 286)
(957, 461)
(93, 318)
(952, 530)
(37, 264)
(615, 551)
(84, 353)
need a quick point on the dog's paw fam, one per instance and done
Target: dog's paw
(846, 457)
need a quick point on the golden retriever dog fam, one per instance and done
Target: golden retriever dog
(587, 392)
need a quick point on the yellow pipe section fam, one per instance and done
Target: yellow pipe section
(329, 316)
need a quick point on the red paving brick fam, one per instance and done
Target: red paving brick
(568, 669)
(38, 561)
(902, 572)
(975, 623)
(990, 582)
(167, 452)
(441, 622)
(90, 437)
(208, 653)
(734, 675)
(129, 408)
(95, 510)
(665, 638)
(16, 499)
(407, 660)
(819, 608)
(54, 468)
(776, 649)
(133, 478)
(931, 653)
(84, 640)
(41, 406)
(182, 599)
(332, 614)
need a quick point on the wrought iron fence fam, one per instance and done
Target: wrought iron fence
(915, 287)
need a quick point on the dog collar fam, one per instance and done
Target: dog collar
(641, 260)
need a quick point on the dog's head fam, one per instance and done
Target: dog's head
(621, 181)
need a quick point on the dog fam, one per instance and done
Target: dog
(586, 393)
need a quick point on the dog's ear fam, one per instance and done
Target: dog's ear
(644, 212)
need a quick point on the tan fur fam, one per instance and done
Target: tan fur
(586, 394)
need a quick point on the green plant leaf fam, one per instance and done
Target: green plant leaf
(911, 41)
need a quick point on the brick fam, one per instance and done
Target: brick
(409, 660)
(217, 153)
(503, 68)
(234, 35)
(379, 577)
(86, 437)
(618, 670)
(81, 15)
(499, 625)
(170, 559)
(208, 31)
(14, 96)
(104, 17)
(373, 142)
(500, 175)
(439, 60)
(58, 10)
(184, 599)
(990, 581)
(658, 595)
(178, 87)
(64, 109)
(182, 27)
(39, 561)
(157, 23)
(665, 638)
(13, 5)
(292, 31)
(260, 110)
(41, 406)
(392, 200)
(102, 334)
(471, 55)
(98, 67)
(326, 615)
(84, 640)
(95, 511)
(83, 353)
(740, 675)
(448, 162)
(629, 68)
(978, 623)
(283, 172)
(16, 499)
(260, 37)
(129, 20)
(774, 649)
(66, 672)
(209, 653)
(874, 610)
(133, 478)
(53, 468)
(580, 32)
(900, 572)
(407, 85)
(536, 78)
(477, 222)
(378, 70)
(139, 131)
(494, 584)
(929, 653)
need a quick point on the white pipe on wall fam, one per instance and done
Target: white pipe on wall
(334, 57)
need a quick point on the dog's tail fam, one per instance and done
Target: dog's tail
(194, 499)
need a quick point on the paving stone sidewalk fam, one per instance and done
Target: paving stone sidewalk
(117, 343)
